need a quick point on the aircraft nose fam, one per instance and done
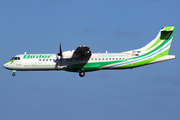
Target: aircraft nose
(5, 65)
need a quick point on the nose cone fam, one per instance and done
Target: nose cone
(4, 65)
(8, 64)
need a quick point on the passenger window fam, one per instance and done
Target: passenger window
(109, 58)
(95, 58)
(46, 59)
(67, 60)
(116, 58)
(49, 59)
(119, 58)
(99, 58)
(91, 58)
(43, 59)
(102, 58)
(113, 58)
(106, 58)
(39, 59)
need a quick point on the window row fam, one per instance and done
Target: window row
(82, 59)
(46, 59)
(107, 58)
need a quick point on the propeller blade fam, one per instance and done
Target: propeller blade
(60, 54)
(60, 49)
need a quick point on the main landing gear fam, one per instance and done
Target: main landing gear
(81, 73)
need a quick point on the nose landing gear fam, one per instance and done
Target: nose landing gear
(14, 73)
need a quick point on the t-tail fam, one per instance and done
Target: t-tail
(157, 50)
(163, 39)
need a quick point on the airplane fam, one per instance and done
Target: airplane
(82, 60)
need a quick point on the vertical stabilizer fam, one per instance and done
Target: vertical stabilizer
(155, 51)
(161, 42)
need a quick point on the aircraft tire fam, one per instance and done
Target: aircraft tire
(81, 74)
(13, 74)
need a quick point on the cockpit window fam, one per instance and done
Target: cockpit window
(15, 58)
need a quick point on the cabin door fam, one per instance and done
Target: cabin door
(130, 60)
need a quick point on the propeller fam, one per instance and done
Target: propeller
(60, 54)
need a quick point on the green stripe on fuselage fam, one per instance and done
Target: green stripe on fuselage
(147, 61)
(9, 61)
(89, 66)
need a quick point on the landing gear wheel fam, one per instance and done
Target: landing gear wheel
(81, 74)
(13, 74)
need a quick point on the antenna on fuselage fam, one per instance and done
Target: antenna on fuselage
(25, 53)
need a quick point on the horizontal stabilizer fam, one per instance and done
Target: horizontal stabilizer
(164, 58)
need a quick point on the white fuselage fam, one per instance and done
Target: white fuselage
(52, 61)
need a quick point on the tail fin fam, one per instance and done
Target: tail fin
(162, 42)
(156, 51)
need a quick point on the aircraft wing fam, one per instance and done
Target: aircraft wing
(83, 51)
